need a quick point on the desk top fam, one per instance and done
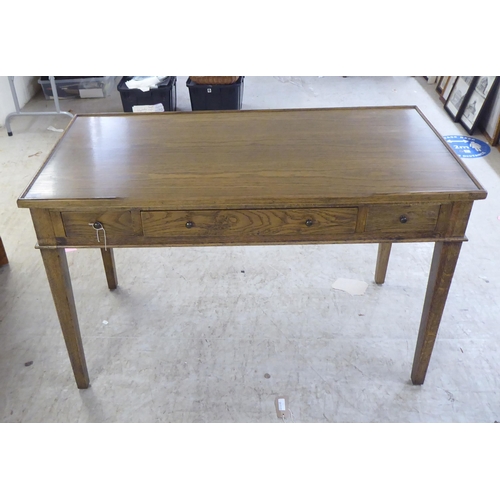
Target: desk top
(251, 158)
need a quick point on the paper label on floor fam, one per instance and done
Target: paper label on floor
(354, 287)
(148, 108)
(282, 409)
(467, 147)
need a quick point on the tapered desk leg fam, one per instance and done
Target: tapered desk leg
(56, 266)
(108, 260)
(384, 250)
(443, 265)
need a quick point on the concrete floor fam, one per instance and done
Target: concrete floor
(215, 334)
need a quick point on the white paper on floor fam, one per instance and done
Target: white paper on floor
(354, 287)
(148, 108)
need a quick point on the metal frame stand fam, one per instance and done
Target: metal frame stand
(18, 111)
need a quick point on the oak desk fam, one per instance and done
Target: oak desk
(309, 176)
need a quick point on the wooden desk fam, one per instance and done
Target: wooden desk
(358, 175)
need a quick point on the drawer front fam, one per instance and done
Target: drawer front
(79, 224)
(402, 218)
(248, 225)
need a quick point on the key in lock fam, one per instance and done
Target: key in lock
(99, 227)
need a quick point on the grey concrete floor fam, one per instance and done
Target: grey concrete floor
(215, 334)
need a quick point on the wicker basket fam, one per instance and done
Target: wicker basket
(214, 80)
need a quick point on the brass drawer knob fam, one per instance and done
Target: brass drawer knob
(309, 222)
(403, 219)
(189, 224)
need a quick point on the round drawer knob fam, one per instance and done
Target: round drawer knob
(309, 222)
(97, 225)
(403, 219)
(189, 224)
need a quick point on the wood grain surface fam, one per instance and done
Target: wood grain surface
(250, 159)
(242, 223)
(388, 218)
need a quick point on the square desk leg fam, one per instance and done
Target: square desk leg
(384, 251)
(108, 259)
(56, 266)
(444, 261)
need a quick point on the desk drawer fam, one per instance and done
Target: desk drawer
(402, 218)
(78, 224)
(246, 225)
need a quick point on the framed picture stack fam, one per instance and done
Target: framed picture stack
(448, 85)
(459, 96)
(440, 84)
(469, 99)
(477, 100)
(489, 122)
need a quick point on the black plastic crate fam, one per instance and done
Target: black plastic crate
(165, 94)
(216, 97)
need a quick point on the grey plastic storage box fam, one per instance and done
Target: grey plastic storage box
(76, 87)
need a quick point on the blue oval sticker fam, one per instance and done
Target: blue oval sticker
(467, 147)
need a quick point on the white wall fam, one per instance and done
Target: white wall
(26, 88)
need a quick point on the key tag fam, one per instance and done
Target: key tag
(99, 227)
